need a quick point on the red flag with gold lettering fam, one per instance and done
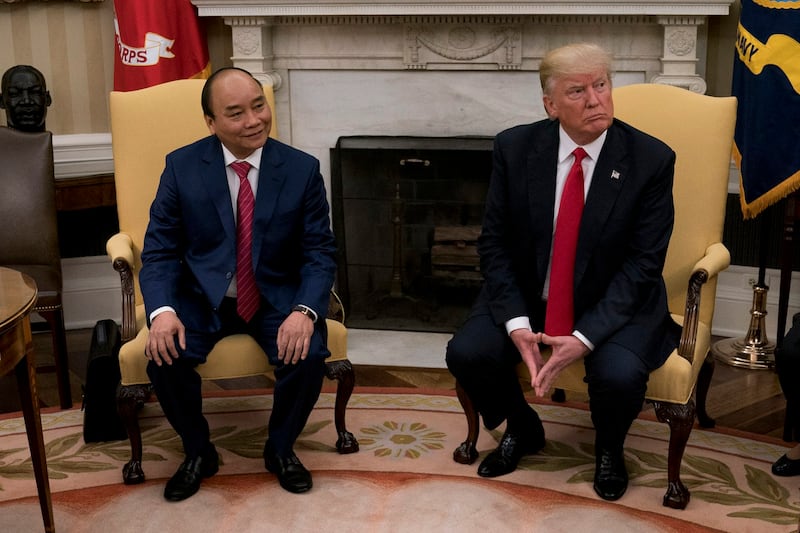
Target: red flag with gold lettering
(158, 41)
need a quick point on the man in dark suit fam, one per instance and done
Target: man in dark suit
(613, 306)
(787, 366)
(197, 289)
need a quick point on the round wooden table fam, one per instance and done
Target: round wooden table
(17, 298)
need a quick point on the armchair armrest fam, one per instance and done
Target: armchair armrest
(716, 259)
(335, 307)
(120, 246)
(120, 249)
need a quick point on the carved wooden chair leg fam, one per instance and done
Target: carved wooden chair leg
(466, 453)
(703, 384)
(680, 419)
(130, 399)
(342, 372)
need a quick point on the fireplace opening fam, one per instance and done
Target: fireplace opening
(407, 213)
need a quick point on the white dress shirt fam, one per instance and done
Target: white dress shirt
(565, 159)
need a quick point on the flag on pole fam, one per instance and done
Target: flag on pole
(157, 41)
(766, 80)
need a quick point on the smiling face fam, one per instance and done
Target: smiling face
(240, 116)
(581, 103)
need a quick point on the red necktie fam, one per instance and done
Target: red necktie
(247, 297)
(559, 318)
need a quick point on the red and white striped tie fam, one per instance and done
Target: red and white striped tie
(247, 297)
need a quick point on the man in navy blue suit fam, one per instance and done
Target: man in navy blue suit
(619, 323)
(191, 282)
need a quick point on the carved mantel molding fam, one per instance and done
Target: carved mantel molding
(454, 34)
(313, 8)
(468, 35)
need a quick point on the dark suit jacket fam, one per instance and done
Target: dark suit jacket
(625, 229)
(189, 254)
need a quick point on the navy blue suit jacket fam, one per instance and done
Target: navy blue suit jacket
(619, 294)
(189, 254)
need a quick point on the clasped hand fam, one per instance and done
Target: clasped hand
(294, 337)
(565, 350)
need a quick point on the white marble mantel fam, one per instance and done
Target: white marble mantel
(253, 22)
(273, 8)
(444, 67)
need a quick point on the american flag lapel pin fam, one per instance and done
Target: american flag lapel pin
(614, 175)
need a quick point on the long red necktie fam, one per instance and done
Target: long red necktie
(247, 297)
(560, 315)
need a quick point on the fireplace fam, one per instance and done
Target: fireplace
(406, 213)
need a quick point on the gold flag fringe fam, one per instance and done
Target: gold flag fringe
(779, 192)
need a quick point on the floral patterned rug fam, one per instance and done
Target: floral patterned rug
(402, 479)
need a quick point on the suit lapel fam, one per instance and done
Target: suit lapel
(213, 177)
(271, 177)
(541, 172)
(609, 177)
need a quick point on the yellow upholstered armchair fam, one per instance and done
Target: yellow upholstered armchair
(145, 126)
(700, 130)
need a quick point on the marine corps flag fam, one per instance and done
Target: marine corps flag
(157, 41)
(766, 80)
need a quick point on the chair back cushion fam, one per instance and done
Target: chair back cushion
(699, 129)
(28, 228)
(146, 125)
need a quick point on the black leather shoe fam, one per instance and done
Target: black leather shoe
(786, 467)
(192, 471)
(610, 476)
(292, 475)
(504, 459)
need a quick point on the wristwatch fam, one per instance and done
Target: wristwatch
(305, 310)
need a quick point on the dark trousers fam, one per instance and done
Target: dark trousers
(787, 366)
(297, 387)
(483, 359)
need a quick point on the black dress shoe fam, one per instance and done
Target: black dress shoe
(610, 476)
(192, 471)
(504, 459)
(786, 467)
(292, 475)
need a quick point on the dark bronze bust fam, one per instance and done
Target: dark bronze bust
(25, 98)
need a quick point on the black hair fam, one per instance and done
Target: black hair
(205, 96)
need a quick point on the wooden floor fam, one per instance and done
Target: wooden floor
(748, 400)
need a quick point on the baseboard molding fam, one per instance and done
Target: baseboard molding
(92, 293)
(732, 311)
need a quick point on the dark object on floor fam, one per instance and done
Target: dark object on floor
(785, 467)
(101, 422)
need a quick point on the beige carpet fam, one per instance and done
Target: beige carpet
(403, 479)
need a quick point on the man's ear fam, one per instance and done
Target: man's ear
(47, 99)
(549, 108)
(2, 102)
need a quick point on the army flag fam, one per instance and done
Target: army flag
(766, 80)
(157, 41)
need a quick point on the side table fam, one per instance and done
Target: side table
(17, 298)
